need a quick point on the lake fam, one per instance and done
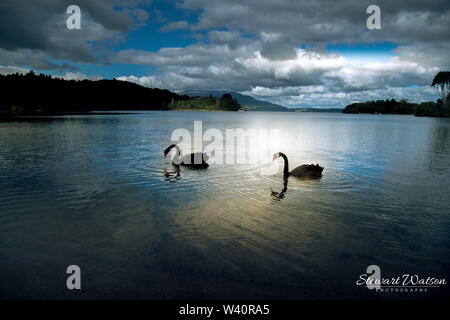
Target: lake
(95, 191)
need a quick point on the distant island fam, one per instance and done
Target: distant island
(225, 103)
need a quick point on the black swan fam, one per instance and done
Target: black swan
(193, 160)
(305, 170)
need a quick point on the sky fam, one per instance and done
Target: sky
(294, 53)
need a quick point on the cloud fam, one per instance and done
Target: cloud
(435, 55)
(218, 66)
(221, 67)
(40, 27)
(263, 92)
(341, 99)
(27, 57)
(377, 75)
(325, 21)
(311, 78)
(276, 49)
(4, 70)
(174, 26)
(147, 81)
(78, 76)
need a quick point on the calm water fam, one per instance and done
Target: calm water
(95, 191)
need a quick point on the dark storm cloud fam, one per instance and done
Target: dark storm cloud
(40, 26)
(327, 21)
(25, 57)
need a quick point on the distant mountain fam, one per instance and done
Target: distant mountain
(249, 103)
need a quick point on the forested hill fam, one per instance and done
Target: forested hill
(42, 93)
(429, 109)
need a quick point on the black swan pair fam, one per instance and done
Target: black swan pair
(199, 160)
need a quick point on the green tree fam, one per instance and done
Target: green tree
(441, 84)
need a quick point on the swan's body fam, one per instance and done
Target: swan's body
(305, 170)
(194, 160)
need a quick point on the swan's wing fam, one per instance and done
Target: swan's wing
(195, 158)
(300, 170)
(307, 170)
(200, 156)
(188, 158)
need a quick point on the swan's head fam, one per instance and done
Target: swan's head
(275, 156)
(168, 149)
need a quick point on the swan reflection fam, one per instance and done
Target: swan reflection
(172, 175)
(277, 196)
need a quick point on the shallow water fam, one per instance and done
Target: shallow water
(95, 191)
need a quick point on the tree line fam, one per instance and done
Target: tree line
(42, 93)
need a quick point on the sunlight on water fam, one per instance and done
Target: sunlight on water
(96, 191)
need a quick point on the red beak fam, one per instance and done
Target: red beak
(165, 155)
(273, 158)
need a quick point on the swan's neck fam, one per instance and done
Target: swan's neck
(286, 164)
(177, 158)
(178, 151)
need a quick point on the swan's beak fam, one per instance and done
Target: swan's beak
(165, 155)
(273, 159)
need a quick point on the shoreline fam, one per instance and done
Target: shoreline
(23, 115)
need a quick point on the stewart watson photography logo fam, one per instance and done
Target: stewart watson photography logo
(408, 283)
